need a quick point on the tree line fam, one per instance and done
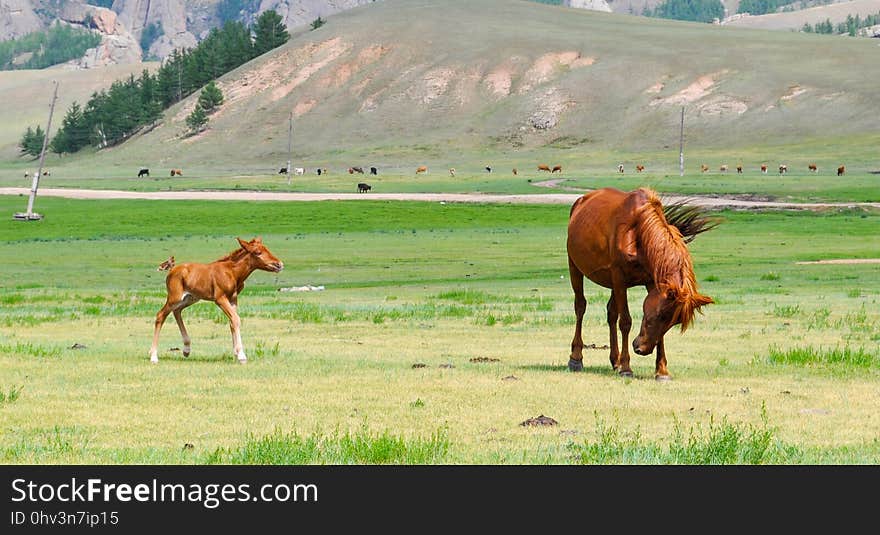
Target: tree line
(58, 44)
(115, 114)
(851, 26)
(691, 10)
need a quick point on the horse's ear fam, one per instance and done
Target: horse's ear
(700, 300)
(258, 239)
(244, 244)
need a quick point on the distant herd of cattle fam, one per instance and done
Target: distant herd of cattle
(363, 187)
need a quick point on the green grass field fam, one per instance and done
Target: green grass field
(783, 369)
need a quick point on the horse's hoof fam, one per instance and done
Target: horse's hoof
(186, 353)
(242, 361)
(626, 373)
(575, 365)
(663, 378)
(154, 361)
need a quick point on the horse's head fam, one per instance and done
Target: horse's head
(262, 257)
(664, 307)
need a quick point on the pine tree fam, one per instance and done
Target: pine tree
(197, 120)
(269, 32)
(32, 141)
(210, 97)
(73, 133)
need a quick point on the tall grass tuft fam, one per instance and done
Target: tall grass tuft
(28, 348)
(11, 395)
(724, 443)
(360, 447)
(811, 355)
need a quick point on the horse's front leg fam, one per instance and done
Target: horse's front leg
(611, 309)
(625, 323)
(234, 325)
(660, 371)
(576, 360)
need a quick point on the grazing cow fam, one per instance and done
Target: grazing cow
(144, 171)
(514, 171)
(45, 173)
(764, 169)
(841, 170)
(723, 168)
(166, 265)
(421, 169)
(451, 171)
(488, 169)
(282, 171)
(704, 168)
(352, 170)
(739, 169)
(178, 172)
(363, 187)
(298, 170)
(374, 171)
(556, 169)
(27, 175)
(620, 168)
(543, 167)
(813, 168)
(318, 170)
(640, 168)
(783, 169)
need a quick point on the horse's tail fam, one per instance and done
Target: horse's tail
(166, 265)
(689, 219)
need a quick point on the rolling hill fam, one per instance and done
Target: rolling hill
(426, 80)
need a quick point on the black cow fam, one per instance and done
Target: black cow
(488, 169)
(374, 171)
(363, 187)
(282, 171)
(319, 171)
(143, 171)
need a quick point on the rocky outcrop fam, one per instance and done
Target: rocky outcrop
(170, 14)
(300, 12)
(17, 18)
(593, 5)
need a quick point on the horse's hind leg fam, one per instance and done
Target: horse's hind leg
(187, 347)
(576, 360)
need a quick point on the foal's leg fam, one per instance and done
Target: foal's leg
(160, 319)
(611, 309)
(178, 316)
(660, 371)
(625, 323)
(235, 325)
(576, 360)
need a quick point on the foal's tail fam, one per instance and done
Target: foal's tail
(166, 265)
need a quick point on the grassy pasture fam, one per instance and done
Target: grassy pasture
(783, 369)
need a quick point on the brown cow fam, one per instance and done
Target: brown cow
(813, 168)
(556, 169)
(422, 169)
(178, 172)
(640, 168)
(764, 168)
(783, 169)
(543, 167)
(841, 170)
(704, 168)
(514, 171)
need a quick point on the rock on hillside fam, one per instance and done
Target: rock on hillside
(171, 14)
(594, 5)
(117, 44)
(300, 12)
(17, 18)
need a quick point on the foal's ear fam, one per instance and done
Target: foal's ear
(244, 245)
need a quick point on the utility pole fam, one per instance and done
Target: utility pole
(289, 137)
(681, 145)
(30, 215)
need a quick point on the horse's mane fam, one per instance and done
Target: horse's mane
(668, 257)
(234, 256)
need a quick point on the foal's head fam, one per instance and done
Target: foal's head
(263, 258)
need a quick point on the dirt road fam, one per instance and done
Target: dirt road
(543, 198)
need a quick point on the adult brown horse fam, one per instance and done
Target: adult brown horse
(220, 281)
(619, 240)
